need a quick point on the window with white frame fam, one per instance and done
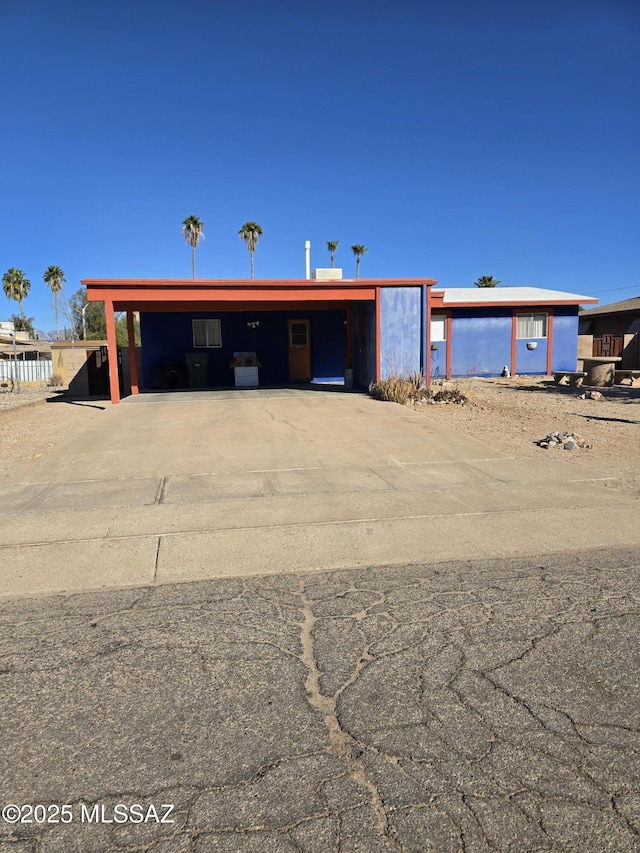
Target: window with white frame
(207, 333)
(438, 328)
(531, 326)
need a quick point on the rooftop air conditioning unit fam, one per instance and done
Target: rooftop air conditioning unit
(327, 274)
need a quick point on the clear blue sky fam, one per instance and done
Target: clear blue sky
(453, 139)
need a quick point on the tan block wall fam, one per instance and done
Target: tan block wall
(70, 362)
(585, 349)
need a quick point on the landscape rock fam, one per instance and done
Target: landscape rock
(565, 440)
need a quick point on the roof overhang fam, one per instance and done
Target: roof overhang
(185, 294)
(505, 297)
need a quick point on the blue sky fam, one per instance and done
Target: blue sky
(453, 139)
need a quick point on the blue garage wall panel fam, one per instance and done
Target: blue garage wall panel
(364, 343)
(565, 338)
(400, 316)
(328, 345)
(480, 341)
(169, 337)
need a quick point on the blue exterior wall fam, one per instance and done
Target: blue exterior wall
(168, 337)
(480, 341)
(565, 338)
(400, 325)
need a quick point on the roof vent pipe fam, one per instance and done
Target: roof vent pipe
(307, 258)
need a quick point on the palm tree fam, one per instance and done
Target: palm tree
(332, 246)
(193, 230)
(250, 233)
(16, 286)
(53, 278)
(358, 251)
(486, 281)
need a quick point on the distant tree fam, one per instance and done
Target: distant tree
(486, 281)
(53, 278)
(250, 233)
(89, 318)
(23, 324)
(332, 246)
(358, 251)
(193, 230)
(16, 286)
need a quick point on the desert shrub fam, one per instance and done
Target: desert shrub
(55, 381)
(450, 395)
(399, 388)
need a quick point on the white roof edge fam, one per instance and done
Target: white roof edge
(487, 295)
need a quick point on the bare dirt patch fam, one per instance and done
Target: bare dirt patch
(512, 415)
(36, 421)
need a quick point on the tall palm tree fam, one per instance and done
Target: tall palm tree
(486, 281)
(250, 233)
(16, 286)
(53, 278)
(358, 251)
(193, 230)
(332, 246)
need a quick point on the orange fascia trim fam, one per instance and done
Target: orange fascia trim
(521, 306)
(142, 297)
(250, 283)
(213, 305)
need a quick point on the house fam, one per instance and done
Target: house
(330, 329)
(479, 331)
(23, 358)
(612, 330)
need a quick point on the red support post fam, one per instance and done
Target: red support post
(377, 334)
(112, 351)
(133, 362)
(550, 343)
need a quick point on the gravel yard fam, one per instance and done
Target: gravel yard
(512, 415)
(509, 415)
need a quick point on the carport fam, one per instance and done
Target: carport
(301, 329)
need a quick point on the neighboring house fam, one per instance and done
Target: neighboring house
(22, 358)
(329, 329)
(612, 330)
(479, 331)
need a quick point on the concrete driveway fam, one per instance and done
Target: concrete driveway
(184, 486)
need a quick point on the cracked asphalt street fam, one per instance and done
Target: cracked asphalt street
(461, 706)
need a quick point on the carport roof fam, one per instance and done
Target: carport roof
(177, 290)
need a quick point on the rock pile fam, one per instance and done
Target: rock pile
(563, 440)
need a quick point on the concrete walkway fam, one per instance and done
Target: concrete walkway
(176, 487)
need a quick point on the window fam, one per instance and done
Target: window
(207, 333)
(299, 333)
(532, 326)
(438, 327)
